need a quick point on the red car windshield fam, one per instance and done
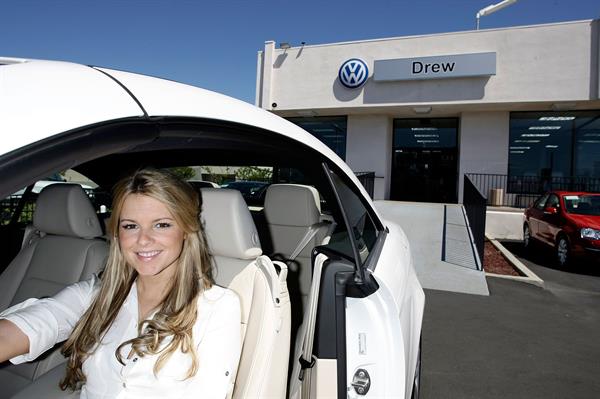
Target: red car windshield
(583, 204)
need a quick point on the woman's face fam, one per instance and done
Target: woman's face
(150, 238)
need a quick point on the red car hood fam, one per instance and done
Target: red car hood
(585, 220)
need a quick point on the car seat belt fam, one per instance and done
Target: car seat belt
(30, 236)
(310, 233)
(306, 359)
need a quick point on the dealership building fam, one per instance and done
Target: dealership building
(423, 111)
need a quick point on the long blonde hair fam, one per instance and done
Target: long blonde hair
(177, 313)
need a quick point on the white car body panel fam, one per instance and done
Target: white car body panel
(39, 99)
(396, 309)
(374, 342)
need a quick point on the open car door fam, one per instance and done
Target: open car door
(354, 341)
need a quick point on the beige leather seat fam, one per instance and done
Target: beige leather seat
(296, 226)
(234, 243)
(63, 250)
(265, 324)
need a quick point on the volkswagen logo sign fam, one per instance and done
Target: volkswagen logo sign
(353, 73)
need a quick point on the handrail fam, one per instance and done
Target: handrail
(474, 203)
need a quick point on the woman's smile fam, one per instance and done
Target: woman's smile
(148, 255)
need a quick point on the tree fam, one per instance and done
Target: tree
(254, 173)
(183, 172)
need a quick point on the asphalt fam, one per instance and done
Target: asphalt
(521, 341)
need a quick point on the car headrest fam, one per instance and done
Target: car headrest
(229, 227)
(281, 199)
(65, 209)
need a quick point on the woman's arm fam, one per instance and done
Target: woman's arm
(43, 322)
(13, 342)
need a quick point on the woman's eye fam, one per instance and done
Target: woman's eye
(163, 225)
(128, 226)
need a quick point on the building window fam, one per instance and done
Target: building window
(554, 144)
(330, 130)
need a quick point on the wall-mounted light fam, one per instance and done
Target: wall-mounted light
(284, 45)
(422, 110)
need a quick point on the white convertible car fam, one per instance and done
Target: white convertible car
(331, 306)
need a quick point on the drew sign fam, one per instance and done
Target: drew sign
(444, 66)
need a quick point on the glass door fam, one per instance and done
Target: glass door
(425, 160)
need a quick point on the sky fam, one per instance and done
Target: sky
(214, 44)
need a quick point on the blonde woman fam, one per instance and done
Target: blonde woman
(154, 325)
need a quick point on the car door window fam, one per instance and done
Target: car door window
(362, 225)
(553, 201)
(541, 202)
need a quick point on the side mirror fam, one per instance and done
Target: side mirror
(550, 210)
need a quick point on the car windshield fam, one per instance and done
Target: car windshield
(583, 204)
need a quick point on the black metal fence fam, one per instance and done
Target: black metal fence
(475, 207)
(521, 191)
(367, 179)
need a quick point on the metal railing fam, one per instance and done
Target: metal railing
(474, 203)
(521, 191)
(367, 179)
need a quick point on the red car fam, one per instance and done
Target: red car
(567, 221)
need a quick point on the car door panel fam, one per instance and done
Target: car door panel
(375, 346)
(548, 220)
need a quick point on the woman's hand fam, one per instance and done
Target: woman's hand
(13, 342)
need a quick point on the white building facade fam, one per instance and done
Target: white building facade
(423, 111)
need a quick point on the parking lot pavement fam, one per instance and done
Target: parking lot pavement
(522, 341)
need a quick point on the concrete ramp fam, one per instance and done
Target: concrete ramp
(441, 245)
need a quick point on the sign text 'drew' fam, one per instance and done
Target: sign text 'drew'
(438, 67)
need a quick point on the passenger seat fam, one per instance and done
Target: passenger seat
(63, 249)
(265, 325)
(296, 225)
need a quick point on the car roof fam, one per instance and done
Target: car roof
(40, 99)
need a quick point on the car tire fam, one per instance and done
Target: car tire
(563, 251)
(526, 236)
(416, 389)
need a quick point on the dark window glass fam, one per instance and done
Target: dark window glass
(583, 204)
(424, 160)
(330, 130)
(425, 133)
(541, 202)
(363, 228)
(553, 201)
(587, 146)
(554, 144)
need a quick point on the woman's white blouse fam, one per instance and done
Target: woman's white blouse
(216, 334)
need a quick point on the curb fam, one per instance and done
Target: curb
(529, 276)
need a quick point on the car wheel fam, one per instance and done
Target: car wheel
(562, 251)
(416, 390)
(526, 236)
